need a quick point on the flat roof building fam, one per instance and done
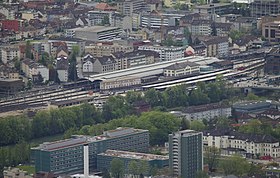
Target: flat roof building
(154, 161)
(66, 156)
(95, 33)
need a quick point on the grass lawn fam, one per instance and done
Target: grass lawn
(29, 169)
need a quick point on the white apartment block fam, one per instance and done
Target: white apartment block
(127, 7)
(262, 145)
(165, 53)
(208, 111)
(9, 53)
(97, 17)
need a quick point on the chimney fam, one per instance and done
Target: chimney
(86, 160)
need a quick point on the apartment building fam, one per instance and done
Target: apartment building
(32, 68)
(97, 17)
(271, 32)
(261, 8)
(185, 153)
(216, 46)
(201, 27)
(106, 49)
(252, 144)
(135, 58)
(208, 111)
(127, 7)
(157, 20)
(70, 43)
(9, 53)
(165, 53)
(181, 69)
(95, 33)
(153, 161)
(66, 156)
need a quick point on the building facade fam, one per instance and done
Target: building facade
(261, 8)
(120, 83)
(185, 153)
(66, 156)
(165, 53)
(252, 144)
(9, 54)
(271, 32)
(127, 7)
(180, 69)
(208, 111)
(272, 65)
(106, 49)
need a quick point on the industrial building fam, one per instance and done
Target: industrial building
(66, 156)
(185, 153)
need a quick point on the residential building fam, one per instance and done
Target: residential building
(171, 3)
(165, 53)
(70, 43)
(62, 66)
(15, 173)
(95, 33)
(244, 23)
(216, 46)
(104, 7)
(124, 82)
(127, 7)
(88, 62)
(261, 8)
(28, 15)
(153, 161)
(122, 22)
(180, 69)
(98, 17)
(12, 25)
(8, 72)
(185, 153)
(157, 20)
(82, 22)
(32, 68)
(271, 32)
(253, 144)
(198, 50)
(201, 27)
(223, 29)
(105, 64)
(135, 58)
(215, 8)
(9, 53)
(106, 49)
(272, 65)
(9, 11)
(66, 156)
(207, 111)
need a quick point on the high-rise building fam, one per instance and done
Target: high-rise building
(185, 153)
(66, 156)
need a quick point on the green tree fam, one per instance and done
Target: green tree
(202, 174)
(185, 124)
(212, 155)
(28, 48)
(117, 168)
(154, 97)
(197, 125)
(133, 168)
(235, 165)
